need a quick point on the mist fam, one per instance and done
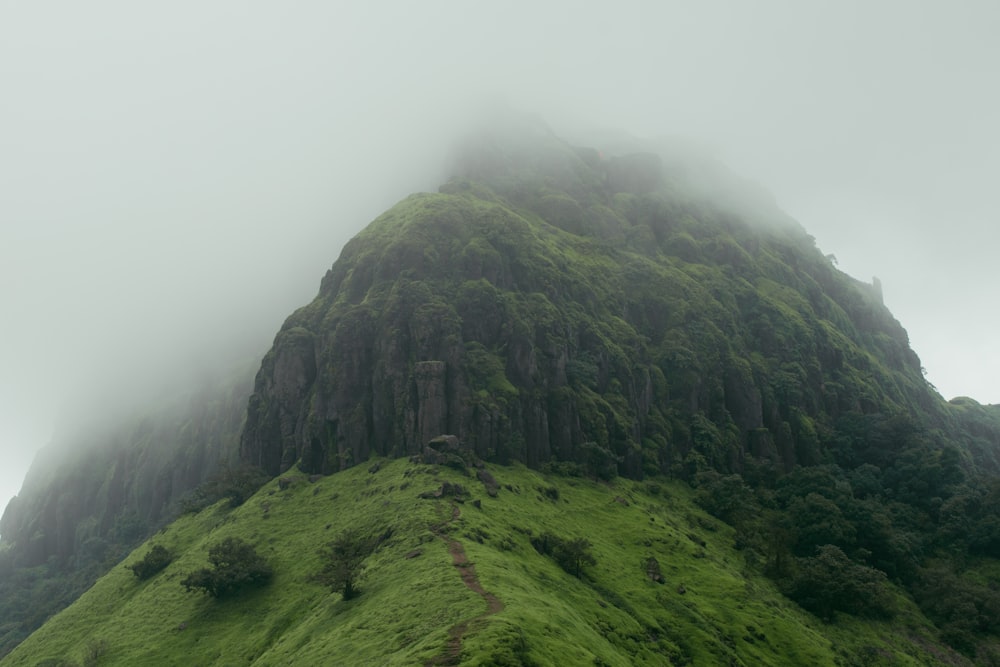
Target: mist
(175, 179)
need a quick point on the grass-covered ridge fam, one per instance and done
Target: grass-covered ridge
(416, 608)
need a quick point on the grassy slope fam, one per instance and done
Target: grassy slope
(612, 616)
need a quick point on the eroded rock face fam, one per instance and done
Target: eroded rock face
(560, 305)
(386, 365)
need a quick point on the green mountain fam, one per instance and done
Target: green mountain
(650, 358)
(548, 299)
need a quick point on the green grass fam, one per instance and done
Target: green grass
(613, 615)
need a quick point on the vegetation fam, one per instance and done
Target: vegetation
(830, 582)
(343, 561)
(236, 565)
(745, 464)
(728, 612)
(571, 554)
(156, 559)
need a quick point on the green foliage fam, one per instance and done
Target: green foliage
(236, 565)
(966, 611)
(343, 561)
(154, 562)
(830, 582)
(571, 554)
(725, 496)
(414, 595)
(596, 329)
(601, 462)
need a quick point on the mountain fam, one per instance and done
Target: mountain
(548, 298)
(629, 328)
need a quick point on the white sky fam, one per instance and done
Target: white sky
(176, 177)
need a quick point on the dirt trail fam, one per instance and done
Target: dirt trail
(452, 653)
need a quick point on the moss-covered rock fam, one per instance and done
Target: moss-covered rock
(549, 297)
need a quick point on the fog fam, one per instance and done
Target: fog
(175, 178)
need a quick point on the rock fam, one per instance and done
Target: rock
(446, 490)
(445, 443)
(489, 482)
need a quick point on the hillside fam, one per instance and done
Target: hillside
(508, 605)
(635, 340)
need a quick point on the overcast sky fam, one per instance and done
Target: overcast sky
(175, 177)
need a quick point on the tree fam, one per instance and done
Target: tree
(573, 554)
(235, 565)
(816, 521)
(343, 561)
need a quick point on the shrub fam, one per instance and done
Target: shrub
(235, 565)
(155, 560)
(571, 555)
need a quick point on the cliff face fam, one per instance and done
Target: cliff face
(92, 492)
(554, 303)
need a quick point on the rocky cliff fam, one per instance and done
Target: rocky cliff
(96, 490)
(635, 312)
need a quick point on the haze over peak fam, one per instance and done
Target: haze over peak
(176, 176)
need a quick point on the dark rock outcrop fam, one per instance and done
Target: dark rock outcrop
(553, 304)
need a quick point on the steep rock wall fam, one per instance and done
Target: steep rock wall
(556, 305)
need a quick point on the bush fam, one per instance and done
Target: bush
(571, 555)
(235, 565)
(155, 560)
